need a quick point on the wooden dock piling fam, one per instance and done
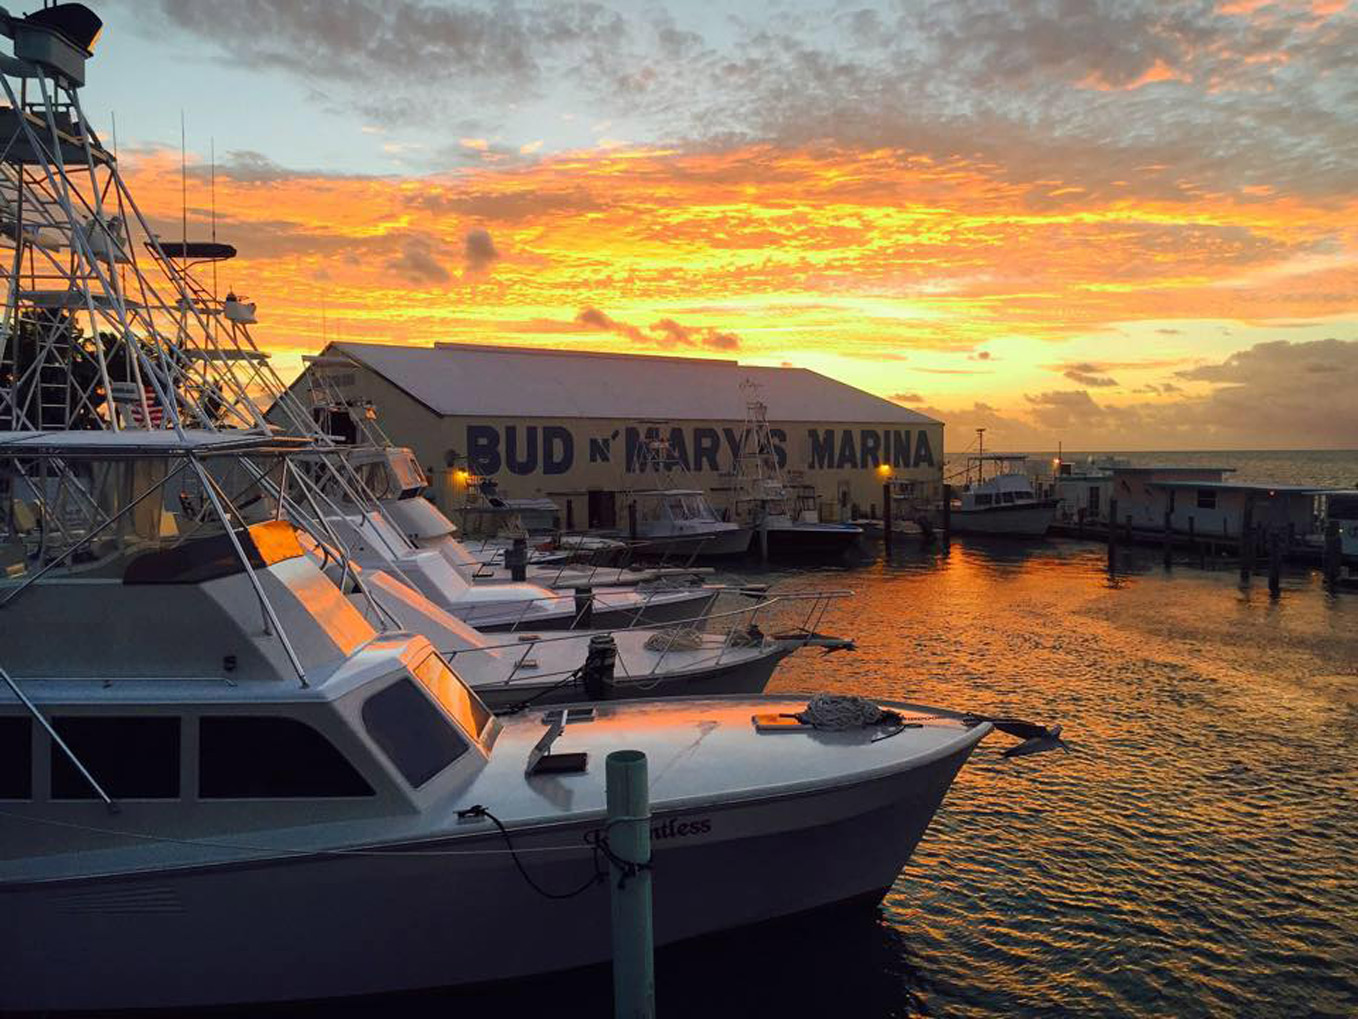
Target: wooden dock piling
(947, 514)
(1334, 553)
(1275, 560)
(632, 520)
(1169, 539)
(886, 516)
(1247, 540)
(1112, 536)
(629, 842)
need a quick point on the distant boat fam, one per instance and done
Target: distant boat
(782, 522)
(672, 521)
(1004, 502)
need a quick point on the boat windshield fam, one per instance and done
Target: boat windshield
(689, 507)
(457, 699)
(141, 520)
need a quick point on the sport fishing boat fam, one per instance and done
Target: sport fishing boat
(1002, 503)
(781, 524)
(670, 520)
(205, 743)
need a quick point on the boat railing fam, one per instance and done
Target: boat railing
(802, 612)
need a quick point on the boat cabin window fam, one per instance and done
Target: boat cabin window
(1006, 496)
(248, 757)
(984, 498)
(465, 707)
(132, 757)
(412, 732)
(689, 507)
(1207, 498)
(16, 758)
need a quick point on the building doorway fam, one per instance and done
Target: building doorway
(602, 509)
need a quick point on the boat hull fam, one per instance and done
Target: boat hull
(1029, 520)
(714, 544)
(803, 539)
(320, 927)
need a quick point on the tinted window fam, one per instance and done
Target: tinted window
(411, 731)
(16, 758)
(244, 757)
(1207, 498)
(130, 757)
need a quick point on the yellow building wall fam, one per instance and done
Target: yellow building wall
(562, 459)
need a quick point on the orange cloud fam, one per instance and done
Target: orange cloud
(799, 253)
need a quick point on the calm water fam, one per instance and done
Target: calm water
(1194, 855)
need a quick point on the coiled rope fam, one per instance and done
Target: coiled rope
(840, 712)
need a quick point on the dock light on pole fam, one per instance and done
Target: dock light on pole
(883, 471)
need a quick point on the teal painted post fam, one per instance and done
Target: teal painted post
(629, 839)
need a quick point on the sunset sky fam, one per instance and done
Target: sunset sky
(1126, 225)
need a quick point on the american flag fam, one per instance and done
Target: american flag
(153, 407)
(128, 395)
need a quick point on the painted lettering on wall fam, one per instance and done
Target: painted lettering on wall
(527, 449)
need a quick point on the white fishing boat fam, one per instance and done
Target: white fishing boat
(997, 497)
(223, 784)
(671, 520)
(781, 523)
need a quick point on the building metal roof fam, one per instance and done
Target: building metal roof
(1241, 486)
(1170, 469)
(474, 380)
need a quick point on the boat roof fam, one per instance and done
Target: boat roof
(998, 456)
(668, 491)
(142, 442)
(480, 380)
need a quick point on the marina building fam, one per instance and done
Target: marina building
(566, 425)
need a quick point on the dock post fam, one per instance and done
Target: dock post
(1129, 530)
(947, 514)
(1334, 553)
(570, 514)
(629, 844)
(764, 538)
(1275, 560)
(1247, 541)
(516, 558)
(1112, 535)
(1080, 523)
(886, 516)
(1169, 540)
(584, 608)
(632, 520)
